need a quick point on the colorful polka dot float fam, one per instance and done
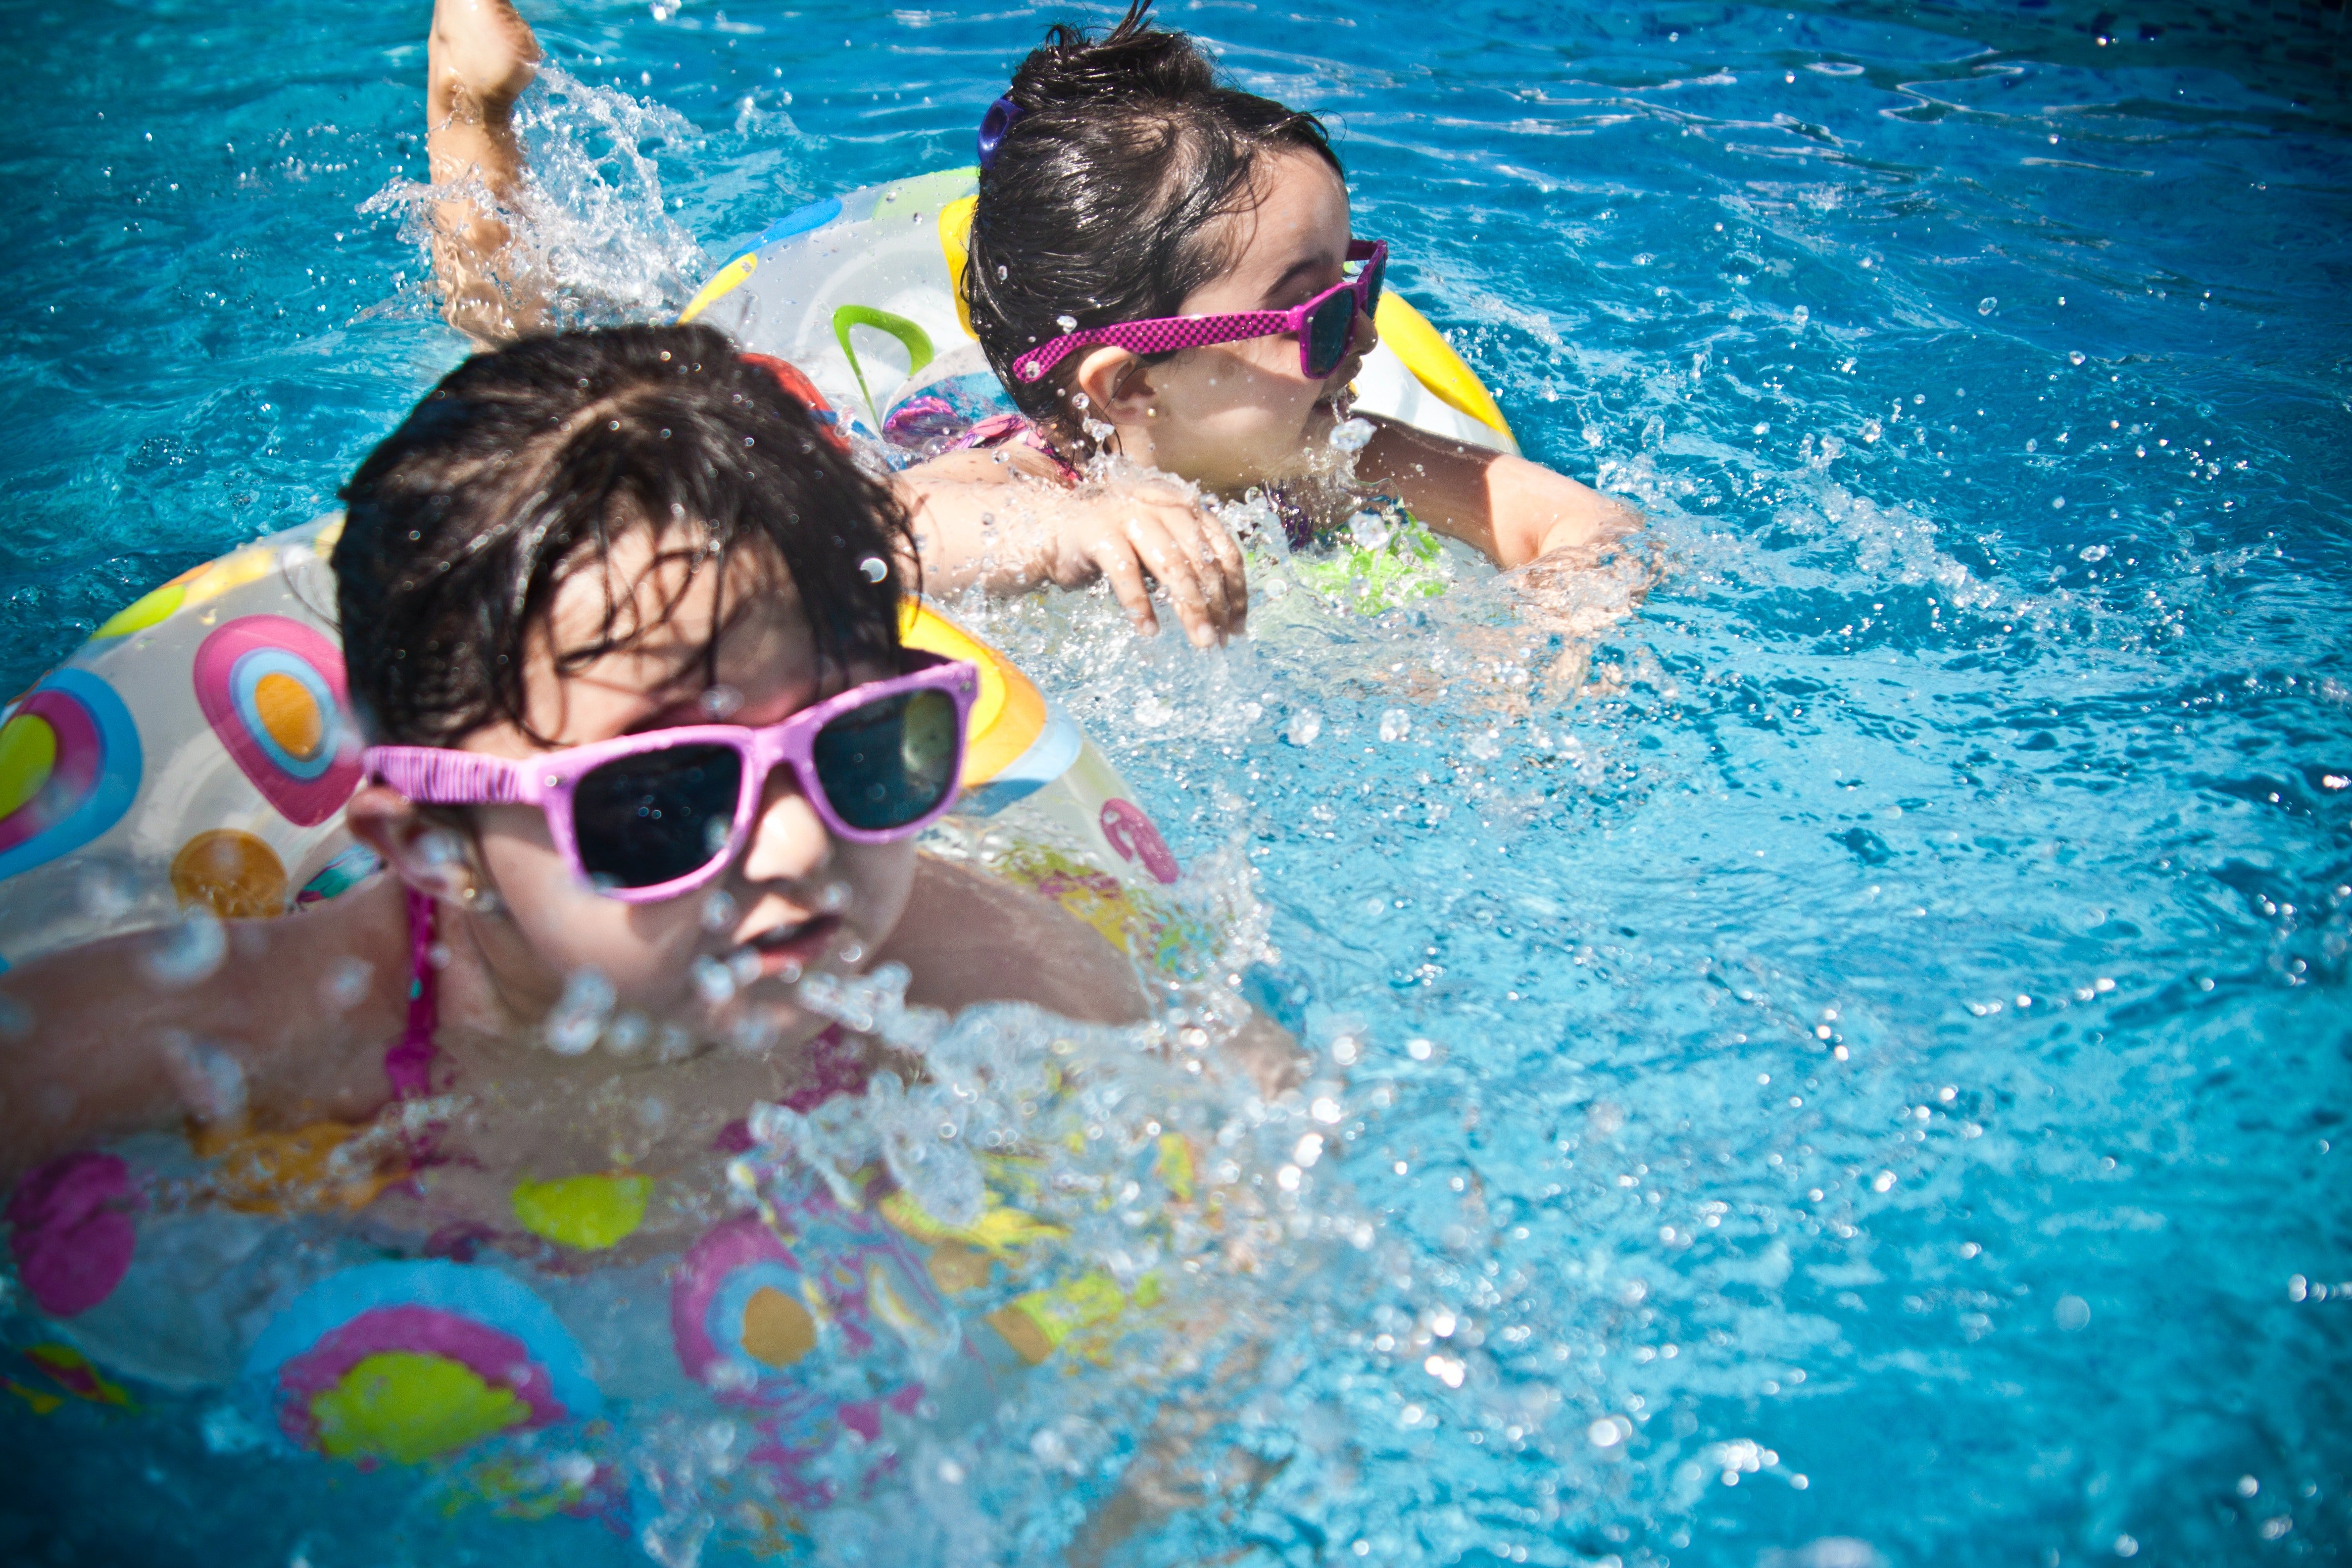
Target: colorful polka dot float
(70, 768)
(72, 1232)
(232, 873)
(409, 1361)
(272, 690)
(1128, 830)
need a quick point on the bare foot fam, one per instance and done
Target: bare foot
(479, 57)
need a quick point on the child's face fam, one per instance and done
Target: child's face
(1236, 414)
(796, 899)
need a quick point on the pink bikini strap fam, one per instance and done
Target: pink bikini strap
(409, 1065)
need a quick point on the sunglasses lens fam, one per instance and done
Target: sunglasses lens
(1330, 331)
(1374, 275)
(648, 819)
(889, 762)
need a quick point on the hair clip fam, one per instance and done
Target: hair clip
(992, 127)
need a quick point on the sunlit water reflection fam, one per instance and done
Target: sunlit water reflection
(1844, 1064)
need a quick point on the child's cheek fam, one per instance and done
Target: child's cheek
(880, 876)
(645, 950)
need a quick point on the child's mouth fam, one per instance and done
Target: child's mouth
(787, 951)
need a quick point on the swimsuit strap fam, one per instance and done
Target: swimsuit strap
(1298, 526)
(409, 1063)
(999, 428)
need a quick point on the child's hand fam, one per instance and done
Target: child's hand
(1159, 530)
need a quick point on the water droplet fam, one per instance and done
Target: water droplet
(1395, 724)
(2077, 356)
(1800, 315)
(1604, 1433)
(579, 1015)
(2072, 1314)
(874, 569)
(345, 984)
(1986, 306)
(1352, 435)
(627, 1034)
(713, 980)
(189, 952)
(1305, 726)
(1067, 323)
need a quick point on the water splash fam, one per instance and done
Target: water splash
(590, 225)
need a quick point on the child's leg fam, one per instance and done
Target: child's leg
(480, 57)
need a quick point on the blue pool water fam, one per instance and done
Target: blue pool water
(1850, 1059)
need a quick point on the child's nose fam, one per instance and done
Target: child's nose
(789, 840)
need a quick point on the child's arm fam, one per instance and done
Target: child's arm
(969, 938)
(117, 1038)
(1511, 509)
(480, 56)
(1011, 526)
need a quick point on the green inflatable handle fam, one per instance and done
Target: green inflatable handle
(917, 342)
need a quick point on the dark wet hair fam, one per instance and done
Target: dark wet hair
(1100, 200)
(526, 465)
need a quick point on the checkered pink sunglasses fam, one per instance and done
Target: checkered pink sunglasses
(1326, 325)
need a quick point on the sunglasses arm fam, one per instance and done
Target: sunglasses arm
(434, 776)
(1164, 334)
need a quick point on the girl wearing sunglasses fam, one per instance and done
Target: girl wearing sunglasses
(1161, 268)
(624, 635)
(1164, 268)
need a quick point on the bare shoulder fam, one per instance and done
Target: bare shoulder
(978, 466)
(967, 937)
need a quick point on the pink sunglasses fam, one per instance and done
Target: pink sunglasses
(652, 816)
(1326, 325)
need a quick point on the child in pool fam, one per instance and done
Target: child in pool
(571, 549)
(1122, 186)
(481, 54)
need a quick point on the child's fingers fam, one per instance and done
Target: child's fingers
(1192, 531)
(1115, 559)
(1227, 556)
(1205, 542)
(1173, 565)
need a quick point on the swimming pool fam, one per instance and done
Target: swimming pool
(1847, 1059)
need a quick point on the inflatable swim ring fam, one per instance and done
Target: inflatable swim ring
(197, 750)
(863, 291)
(196, 753)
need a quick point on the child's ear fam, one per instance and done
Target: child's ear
(428, 856)
(1117, 384)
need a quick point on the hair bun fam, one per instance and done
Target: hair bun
(1133, 61)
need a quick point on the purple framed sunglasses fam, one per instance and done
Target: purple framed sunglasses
(1326, 325)
(652, 816)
